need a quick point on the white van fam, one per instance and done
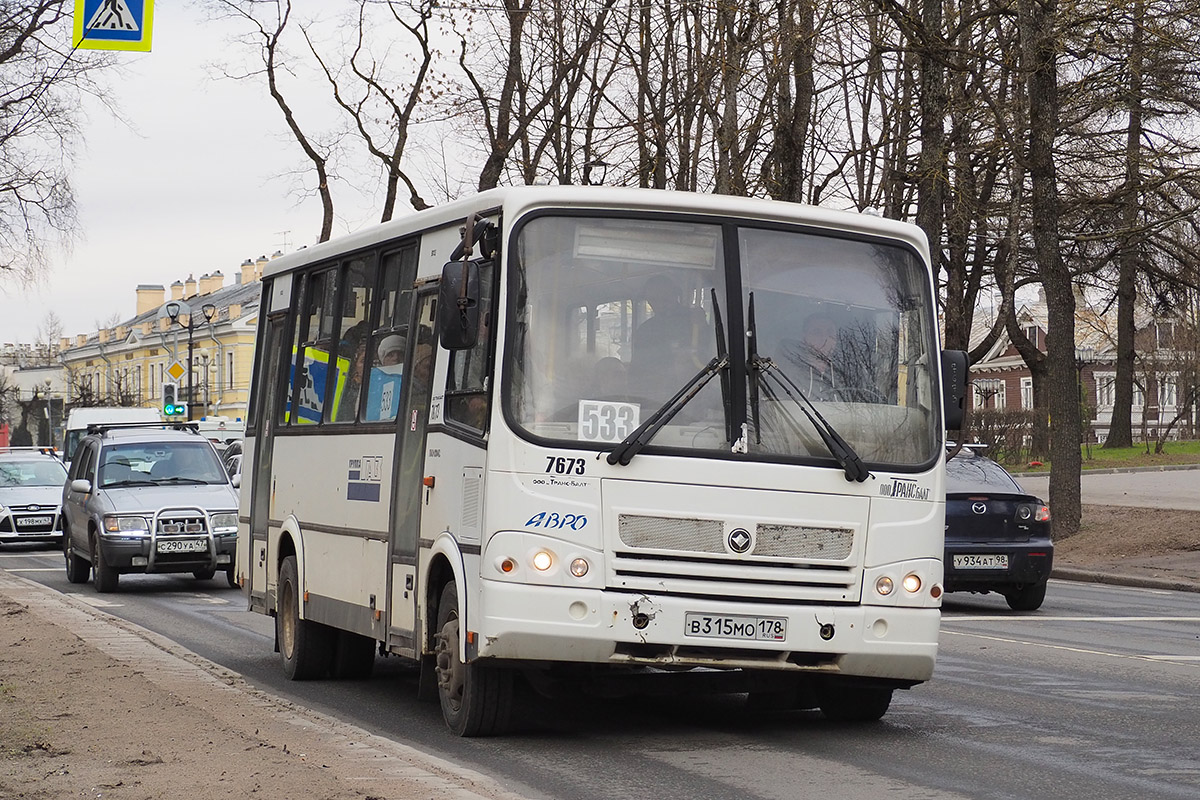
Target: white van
(79, 418)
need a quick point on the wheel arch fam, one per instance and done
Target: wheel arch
(445, 564)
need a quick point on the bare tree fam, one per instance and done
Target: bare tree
(267, 22)
(1040, 41)
(42, 83)
(380, 105)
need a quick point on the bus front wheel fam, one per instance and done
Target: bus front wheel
(849, 703)
(476, 699)
(305, 647)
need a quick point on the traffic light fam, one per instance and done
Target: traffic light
(171, 406)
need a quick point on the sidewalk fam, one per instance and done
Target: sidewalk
(92, 706)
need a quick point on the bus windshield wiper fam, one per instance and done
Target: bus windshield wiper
(635, 441)
(838, 447)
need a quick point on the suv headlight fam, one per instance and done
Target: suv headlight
(224, 524)
(116, 524)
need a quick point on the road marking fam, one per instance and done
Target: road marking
(94, 602)
(33, 569)
(1085, 651)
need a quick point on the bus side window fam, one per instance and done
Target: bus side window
(467, 399)
(388, 346)
(311, 355)
(357, 288)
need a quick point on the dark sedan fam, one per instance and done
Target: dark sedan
(997, 534)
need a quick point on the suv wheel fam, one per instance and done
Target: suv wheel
(78, 568)
(104, 577)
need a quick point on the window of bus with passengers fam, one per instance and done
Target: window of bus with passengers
(613, 317)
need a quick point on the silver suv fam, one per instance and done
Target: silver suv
(147, 498)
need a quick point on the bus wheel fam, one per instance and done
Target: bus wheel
(476, 699)
(847, 703)
(353, 656)
(305, 647)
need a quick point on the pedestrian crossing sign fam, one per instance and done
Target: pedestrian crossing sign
(113, 24)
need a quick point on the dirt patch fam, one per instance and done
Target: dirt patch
(1112, 533)
(76, 722)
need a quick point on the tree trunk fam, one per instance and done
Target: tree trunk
(1038, 23)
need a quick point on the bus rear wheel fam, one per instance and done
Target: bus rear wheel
(305, 647)
(476, 699)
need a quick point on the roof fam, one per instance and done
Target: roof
(516, 199)
(245, 295)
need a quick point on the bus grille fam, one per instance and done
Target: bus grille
(790, 563)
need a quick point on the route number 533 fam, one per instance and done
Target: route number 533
(601, 421)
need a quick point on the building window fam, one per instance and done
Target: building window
(1026, 393)
(229, 370)
(1105, 389)
(1168, 391)
(1164, 334)
(989, 393)
(1139, 395)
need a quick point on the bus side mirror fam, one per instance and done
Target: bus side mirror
(458, 305)
(954, 387)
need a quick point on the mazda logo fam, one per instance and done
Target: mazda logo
(739, 540)
(979, 508)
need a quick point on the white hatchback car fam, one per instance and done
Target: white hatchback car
(31, 487)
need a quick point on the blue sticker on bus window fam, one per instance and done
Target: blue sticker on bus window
(365, 479)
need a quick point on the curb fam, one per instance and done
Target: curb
(1114, 470)
(1117, 579)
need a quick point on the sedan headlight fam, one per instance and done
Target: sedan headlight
(116, 524)
(224, 524)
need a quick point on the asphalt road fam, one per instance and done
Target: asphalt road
(1093, 696)
(1171, 488)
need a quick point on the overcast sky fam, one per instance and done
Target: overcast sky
(197, 186)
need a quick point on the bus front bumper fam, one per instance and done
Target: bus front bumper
(546, 623)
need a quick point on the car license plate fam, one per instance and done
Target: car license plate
(735, 626)
(974, 561)
(33, 522)
(182, 545)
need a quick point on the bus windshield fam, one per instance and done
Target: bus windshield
(612, 316)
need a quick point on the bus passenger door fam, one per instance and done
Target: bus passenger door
(407, 488)
(270, 382)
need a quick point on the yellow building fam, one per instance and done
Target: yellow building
(128, 364)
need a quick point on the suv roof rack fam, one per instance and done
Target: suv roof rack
(104, 427)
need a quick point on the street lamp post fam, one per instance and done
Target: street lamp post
(174, 310)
